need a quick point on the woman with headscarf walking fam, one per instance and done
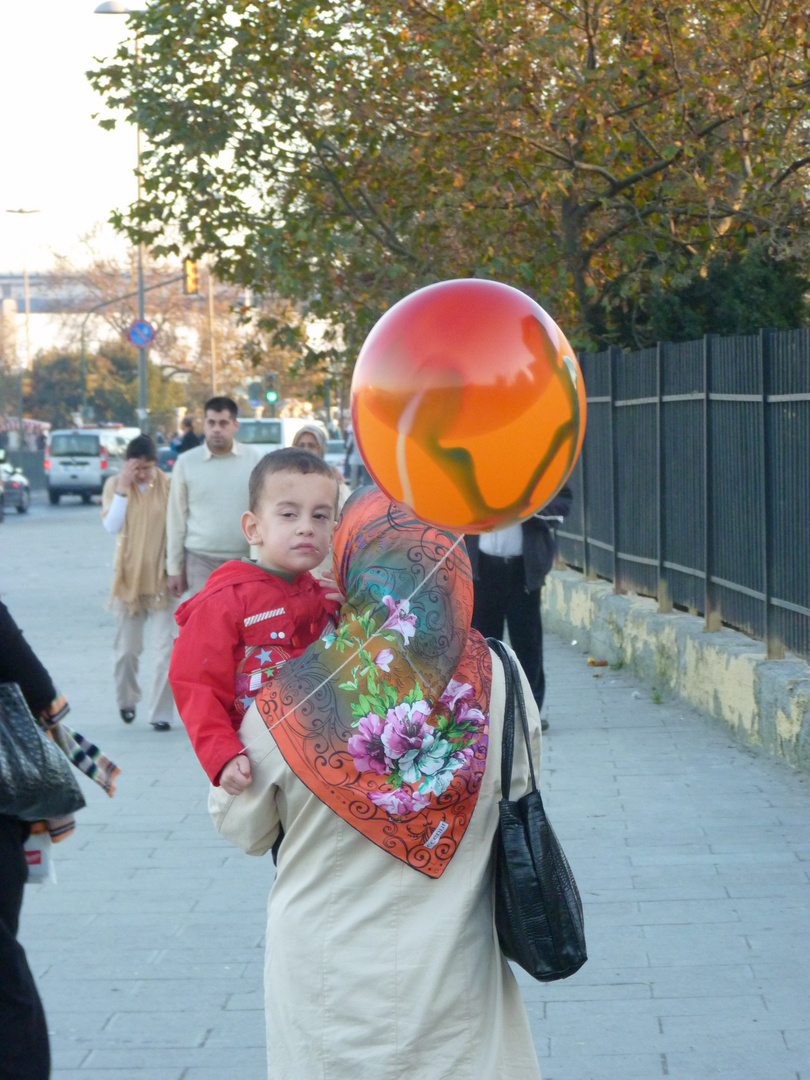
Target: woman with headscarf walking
(312, 437)
(378, 753)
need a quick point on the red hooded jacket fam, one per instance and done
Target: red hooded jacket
(234, 634)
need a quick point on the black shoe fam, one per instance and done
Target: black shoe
(161, 725)
(127, 715)
(543, 723)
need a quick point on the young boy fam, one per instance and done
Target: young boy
(251, 617)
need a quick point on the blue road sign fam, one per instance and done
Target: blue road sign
(141, 333)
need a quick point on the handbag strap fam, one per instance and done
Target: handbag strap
(514, 693)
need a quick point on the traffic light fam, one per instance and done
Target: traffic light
(27, 385)
(271, 386)
(191, 281)
(254, 392)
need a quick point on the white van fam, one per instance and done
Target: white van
(79, 460)
(268, 433)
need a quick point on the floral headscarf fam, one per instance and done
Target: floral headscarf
(386, 720)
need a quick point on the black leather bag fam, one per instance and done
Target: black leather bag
(36, 778)
(538, 910)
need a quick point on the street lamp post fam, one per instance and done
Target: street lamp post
(115, 7)
(27, 301)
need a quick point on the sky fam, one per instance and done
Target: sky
(55, 158)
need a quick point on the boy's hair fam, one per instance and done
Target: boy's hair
(290, 459)
(220, 404)
(142, 446)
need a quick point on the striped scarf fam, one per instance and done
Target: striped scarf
(85, 755)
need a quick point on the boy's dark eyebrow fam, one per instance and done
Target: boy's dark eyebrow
(297, 505)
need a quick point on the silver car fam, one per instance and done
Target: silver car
(79, 460)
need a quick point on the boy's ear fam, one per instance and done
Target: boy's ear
(250, 527)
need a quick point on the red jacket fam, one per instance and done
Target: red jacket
(234, 634)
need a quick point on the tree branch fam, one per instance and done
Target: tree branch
(792, 168)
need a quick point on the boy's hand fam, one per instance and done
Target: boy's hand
(328, 582)
(236, 775)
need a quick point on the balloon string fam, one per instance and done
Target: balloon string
(350, 659)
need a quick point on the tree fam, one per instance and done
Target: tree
(183, 324)
(111, 381)
(585, 151)
(740, 294)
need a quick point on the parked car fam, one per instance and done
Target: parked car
(268, 432)
(16, 490)
(167, 456)
(79, 460)
(335, 452)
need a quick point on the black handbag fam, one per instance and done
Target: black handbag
(36, 778)
(538, 910)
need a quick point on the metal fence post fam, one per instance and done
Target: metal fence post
(664, 601)
(614, 355)
(711, 620)
(774, 650)
(583, 491)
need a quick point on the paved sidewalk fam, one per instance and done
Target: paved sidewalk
(693, 856)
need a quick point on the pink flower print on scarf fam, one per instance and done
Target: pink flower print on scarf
(383, 659)
(400, 618)
(366, 748)
(400, 801)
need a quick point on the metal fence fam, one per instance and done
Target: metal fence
(693, 485)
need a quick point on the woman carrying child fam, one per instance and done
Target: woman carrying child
(378, 752)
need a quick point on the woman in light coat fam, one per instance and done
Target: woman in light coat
(378, 755)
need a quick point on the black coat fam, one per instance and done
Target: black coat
(19, 664)
(188, 442)
(539, 545)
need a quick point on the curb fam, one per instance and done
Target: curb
(723, 673)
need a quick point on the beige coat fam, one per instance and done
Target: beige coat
(374, 971)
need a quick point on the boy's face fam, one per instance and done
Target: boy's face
(293, 524)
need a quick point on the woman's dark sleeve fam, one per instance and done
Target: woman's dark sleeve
(560, 505)
(19, 664)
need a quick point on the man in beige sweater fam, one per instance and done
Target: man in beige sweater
(208, 495)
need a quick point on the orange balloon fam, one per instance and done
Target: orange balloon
(468, 405)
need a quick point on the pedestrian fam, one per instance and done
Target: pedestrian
(354, 466)
(24, 1046)
(189, 438)
(209, 494)
(381, 953)
(509, 567)
(312, 437)
(133, 508)
(250, 618)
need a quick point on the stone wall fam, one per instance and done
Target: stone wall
(723, 673)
